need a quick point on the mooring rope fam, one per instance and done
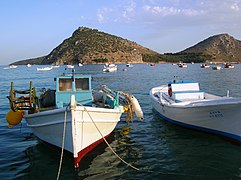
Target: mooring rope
(128, 164)
(63, 140)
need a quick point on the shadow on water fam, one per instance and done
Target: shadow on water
(44, 154)
(210, 158)
(42, 159)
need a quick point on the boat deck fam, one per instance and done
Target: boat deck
(161, 95)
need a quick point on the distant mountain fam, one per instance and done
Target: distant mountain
(92, 46)
(222, 48)
(36, 61)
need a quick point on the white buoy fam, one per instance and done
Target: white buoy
(137, 108)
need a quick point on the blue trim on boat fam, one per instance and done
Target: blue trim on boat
(181, 81)
(232, 136)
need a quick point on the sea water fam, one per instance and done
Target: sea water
(159, 150)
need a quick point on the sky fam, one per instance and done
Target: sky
(33, 28)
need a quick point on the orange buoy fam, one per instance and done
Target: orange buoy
(14, 118)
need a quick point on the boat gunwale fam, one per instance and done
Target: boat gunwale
(62, 110)
(194, 103)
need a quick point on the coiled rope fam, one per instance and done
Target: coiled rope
(128, 164)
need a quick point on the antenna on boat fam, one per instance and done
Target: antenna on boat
(73, 70)
(227, 93)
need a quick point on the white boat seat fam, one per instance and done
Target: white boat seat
(185, 91)
(188, 95)
(191, 86)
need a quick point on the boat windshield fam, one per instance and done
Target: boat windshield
(65, 84)
(82, 84)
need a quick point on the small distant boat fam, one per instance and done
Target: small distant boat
(13, 67)
(70, 66)
(55, 66)
(110, 68)
(80, 64)
(45, 69)
(182, 65)
(152, 64)
(228, 65)
(10, 67)
(72, 116)
(29, 65)
(183, 103)
(205, 65)
(216, 67)
(129, 65)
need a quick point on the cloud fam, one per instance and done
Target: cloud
(166, 16)
(170, 11)
(123, 13)
(129, 11)
(103, 14)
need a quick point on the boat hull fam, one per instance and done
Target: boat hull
(85, 128)
(222, 117)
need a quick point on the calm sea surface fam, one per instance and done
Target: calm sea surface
(161, 150)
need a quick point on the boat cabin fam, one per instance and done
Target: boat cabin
(185, 90)
(73, 84)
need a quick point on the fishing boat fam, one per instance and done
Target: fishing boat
(129, 65)
(183, 103)
(55, 66)
(216, 67)
(110, 68)
(71, 117)
(13, 66)
(70, 66)
(182, 65)
(205, 65)
(45, 69)
(228, 66)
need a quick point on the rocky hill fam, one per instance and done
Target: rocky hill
(37, 61)
(222, 48)
(92, 46)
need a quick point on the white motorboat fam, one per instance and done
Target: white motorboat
(13, 66)
(70, 117)
(228, 66)
(205, 65)
(129, 65)
(45, 69)
(216, 67)
(183, 103)
(70, 66)
(182, 65)
(110, 68)
(55, 66)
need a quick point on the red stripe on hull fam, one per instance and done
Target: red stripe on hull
(85, 151)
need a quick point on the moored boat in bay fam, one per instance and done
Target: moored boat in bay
(110, 68)
(72, 116)
(183, 103)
